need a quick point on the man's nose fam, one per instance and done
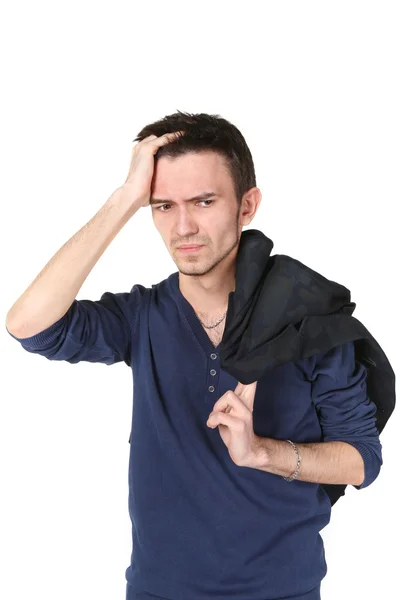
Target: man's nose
(186, 224)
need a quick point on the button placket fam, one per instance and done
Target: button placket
(213, 372)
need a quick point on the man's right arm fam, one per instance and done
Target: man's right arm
(52, 293)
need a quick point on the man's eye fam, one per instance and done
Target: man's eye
(162, 205)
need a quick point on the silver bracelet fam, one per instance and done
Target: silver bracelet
(298, 463)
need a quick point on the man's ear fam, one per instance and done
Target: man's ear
(250, 203)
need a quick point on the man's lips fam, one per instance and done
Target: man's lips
(190, 248)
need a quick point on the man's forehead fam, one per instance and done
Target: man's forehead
(190, 180)
(193, 163)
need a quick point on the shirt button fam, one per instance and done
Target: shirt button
(211, 388)
(213, 371)
(213, 356)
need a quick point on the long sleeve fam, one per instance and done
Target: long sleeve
(93, 331)
(339, 393)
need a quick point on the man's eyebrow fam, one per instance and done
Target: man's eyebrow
(204, 196)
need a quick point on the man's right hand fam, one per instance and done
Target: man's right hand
(53, 291)
(141, 169)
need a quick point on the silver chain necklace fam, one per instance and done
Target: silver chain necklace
(212, 326)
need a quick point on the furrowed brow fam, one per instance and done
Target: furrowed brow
(204, 196)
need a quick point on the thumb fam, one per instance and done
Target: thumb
(246, 393)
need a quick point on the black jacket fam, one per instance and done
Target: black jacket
(283, 311)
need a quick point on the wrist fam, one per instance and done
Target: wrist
(274, 456)
(262, 453)
(298, 463)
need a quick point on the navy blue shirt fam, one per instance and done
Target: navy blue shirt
(203, 527)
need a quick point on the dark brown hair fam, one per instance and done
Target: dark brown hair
(204, 132)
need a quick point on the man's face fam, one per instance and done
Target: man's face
(214, 223)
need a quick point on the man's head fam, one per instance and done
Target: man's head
(211, 157)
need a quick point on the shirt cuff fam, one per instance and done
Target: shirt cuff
(372, 464)
(43, 337)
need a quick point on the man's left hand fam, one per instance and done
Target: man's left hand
(233, 414)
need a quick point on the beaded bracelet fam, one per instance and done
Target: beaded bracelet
(298, 463)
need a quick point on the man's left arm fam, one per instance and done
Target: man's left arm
(351, 452)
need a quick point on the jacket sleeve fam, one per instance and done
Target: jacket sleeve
(339, 393)
(91, 330)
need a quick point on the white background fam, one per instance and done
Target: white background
(314, 88)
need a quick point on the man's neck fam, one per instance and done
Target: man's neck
(207, 295)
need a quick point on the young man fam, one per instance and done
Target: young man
(213, 516)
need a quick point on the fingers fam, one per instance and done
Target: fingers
(246, 393)
(222, 418)
(230, 403)
(153, 143)
(163, 139)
